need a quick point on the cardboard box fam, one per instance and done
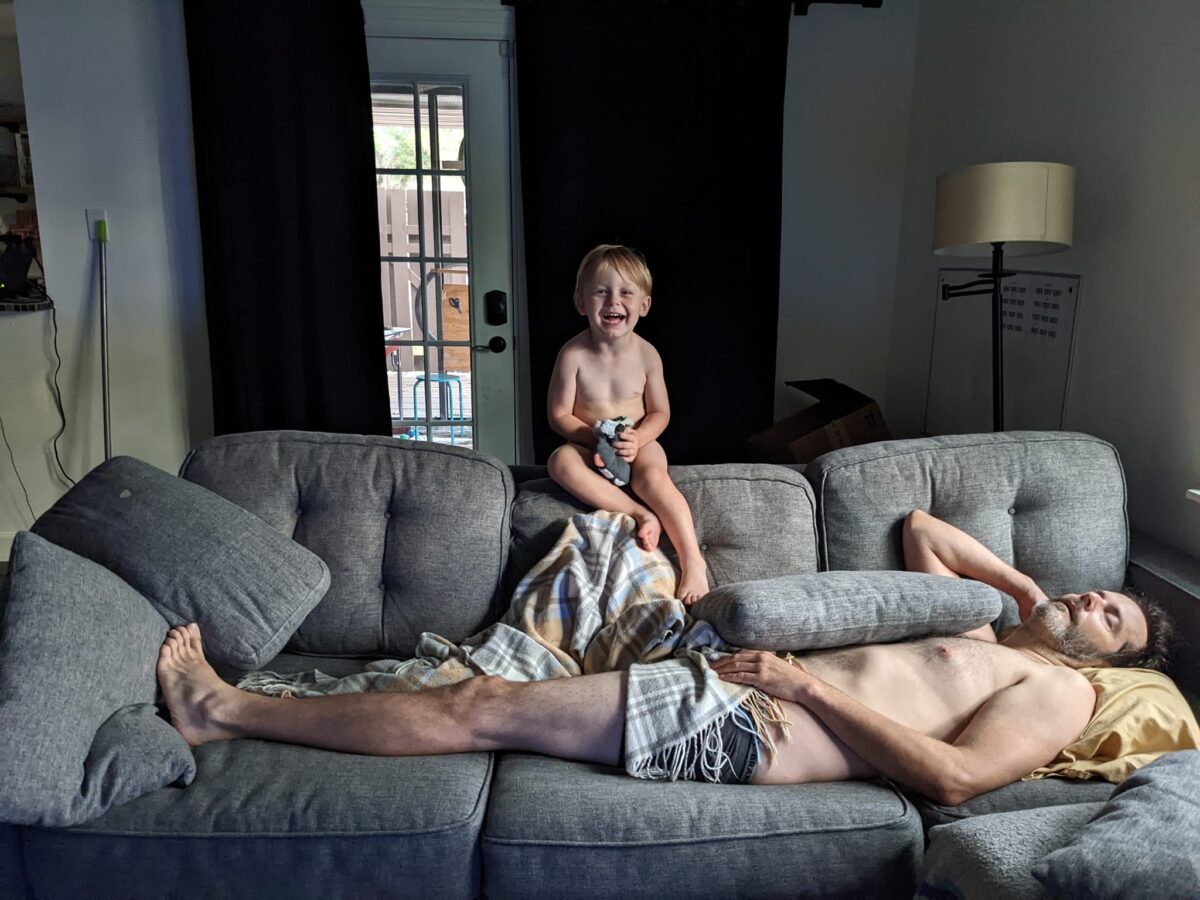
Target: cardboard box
(841, 417)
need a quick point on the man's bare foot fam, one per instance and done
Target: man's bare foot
(692, 584)
(194, 692)
(649, 529)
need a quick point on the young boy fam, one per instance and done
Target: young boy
(607, 372)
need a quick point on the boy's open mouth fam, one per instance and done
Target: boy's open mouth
(613, 317)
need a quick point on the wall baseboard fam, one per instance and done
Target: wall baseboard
(6, 541)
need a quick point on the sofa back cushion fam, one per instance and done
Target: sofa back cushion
(415, 534)
(1050, 503)
(752, 520)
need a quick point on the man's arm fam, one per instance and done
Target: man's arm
(931, 545)
(1019, 729)
(560, 404)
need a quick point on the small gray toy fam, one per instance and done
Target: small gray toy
(614, 469)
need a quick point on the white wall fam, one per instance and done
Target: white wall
(1112, 88)
(110, 126)
(846, 115)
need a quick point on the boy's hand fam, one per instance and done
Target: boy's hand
(627, 444)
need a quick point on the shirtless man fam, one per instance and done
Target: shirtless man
(950, 717)
(608, 372)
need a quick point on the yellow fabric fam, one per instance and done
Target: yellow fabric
(1140, 715)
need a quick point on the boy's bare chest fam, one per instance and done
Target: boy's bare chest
(616, 381)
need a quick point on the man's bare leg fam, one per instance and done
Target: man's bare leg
(569, 466)
(653, 483)
(579, 718)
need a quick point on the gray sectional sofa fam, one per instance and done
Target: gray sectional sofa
(429, 538)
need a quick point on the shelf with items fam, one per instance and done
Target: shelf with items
(25, 304)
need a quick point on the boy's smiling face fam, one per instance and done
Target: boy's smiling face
(611, 303)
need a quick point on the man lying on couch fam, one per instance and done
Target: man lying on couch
(950, 717)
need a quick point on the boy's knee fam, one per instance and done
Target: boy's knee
(648, 477)
(560, 459)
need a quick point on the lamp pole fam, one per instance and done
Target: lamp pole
(997, 338)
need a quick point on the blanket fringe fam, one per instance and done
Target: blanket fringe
(701, 757)
(269, 683)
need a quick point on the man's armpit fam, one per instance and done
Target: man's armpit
(982, 633)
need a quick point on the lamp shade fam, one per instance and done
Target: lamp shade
(1029, 206)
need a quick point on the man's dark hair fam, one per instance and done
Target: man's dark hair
(1159, 631)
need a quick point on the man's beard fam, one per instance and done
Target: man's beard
(1071, 642)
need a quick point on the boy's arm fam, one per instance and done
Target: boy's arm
(658, 407)
(931, 545)
(560, 405)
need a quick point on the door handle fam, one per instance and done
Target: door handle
(495, 345)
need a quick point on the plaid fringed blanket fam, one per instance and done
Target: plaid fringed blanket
(596, 603)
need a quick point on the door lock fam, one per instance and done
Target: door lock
(495, 309)
(495, 345)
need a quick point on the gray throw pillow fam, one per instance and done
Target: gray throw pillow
(194, 555)
(78, 728)
(814, 610)
(1144, 842)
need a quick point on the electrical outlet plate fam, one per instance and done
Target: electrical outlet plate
(93, 216)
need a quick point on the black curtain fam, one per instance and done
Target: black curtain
(281, 115)
(659, 124)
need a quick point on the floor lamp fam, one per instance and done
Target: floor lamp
(1018, 208)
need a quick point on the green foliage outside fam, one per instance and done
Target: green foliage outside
(396, 148)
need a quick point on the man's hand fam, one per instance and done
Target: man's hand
(627, 444)
(765, 671)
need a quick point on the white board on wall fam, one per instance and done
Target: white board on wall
(1040, 310)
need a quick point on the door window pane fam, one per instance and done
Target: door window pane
(424, 265)
(395, 132)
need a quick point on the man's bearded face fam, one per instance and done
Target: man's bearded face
(1070, 639)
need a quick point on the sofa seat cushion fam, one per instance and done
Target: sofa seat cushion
(415, 534)
(552, 826)
(993, 856)
(265, 819)
(1051, 503)
(752, 521)
(1033, 794)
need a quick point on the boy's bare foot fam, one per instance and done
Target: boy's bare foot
(194, 692)
(649, 529)
(692, 584)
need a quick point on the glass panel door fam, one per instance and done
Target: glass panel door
(443, 241)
